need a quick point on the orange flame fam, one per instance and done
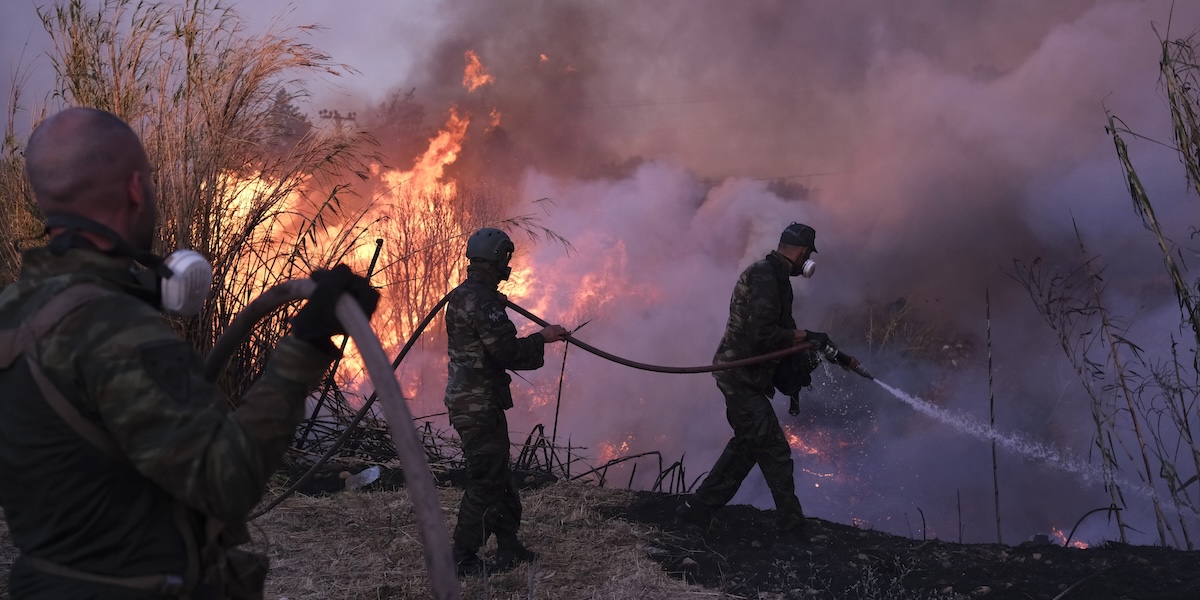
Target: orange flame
(495, 114)
(543, 58)
(1062, 538)
(246, 192)
(443, 150)
(589, 294)
(610, 451)
(819, 445)
(799, 444)
(475, 76)
(416, 192)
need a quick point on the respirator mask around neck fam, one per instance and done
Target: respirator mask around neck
(178, 284)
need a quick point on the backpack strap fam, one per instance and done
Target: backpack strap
(67, 411)
(42, 321)
(24, 340)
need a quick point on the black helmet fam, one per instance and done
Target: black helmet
(490, 244)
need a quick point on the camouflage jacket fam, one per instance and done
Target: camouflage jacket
(482, 342)
(760, 320)
(118, 362)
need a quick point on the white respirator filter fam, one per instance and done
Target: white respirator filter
(184, 292)
(808, 268)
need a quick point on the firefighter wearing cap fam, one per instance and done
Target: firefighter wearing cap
(760, 321)
(482, 343)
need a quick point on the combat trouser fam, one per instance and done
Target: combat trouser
(490, 504)
(757, 439)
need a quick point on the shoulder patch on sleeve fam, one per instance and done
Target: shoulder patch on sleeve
(169, 365)
(493, 312)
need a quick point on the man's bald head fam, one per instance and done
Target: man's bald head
(89, 163)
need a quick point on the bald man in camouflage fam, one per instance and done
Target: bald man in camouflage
(482, 343)
(123, 472)
(760, 321)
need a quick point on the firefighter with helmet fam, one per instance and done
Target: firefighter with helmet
(482, 344)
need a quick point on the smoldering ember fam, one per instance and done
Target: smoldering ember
(1004, 198)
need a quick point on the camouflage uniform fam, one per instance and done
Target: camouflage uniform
(760, 321)
(482, 343)
(117, 361)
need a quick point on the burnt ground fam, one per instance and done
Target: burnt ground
(608, 544)
(742, 554)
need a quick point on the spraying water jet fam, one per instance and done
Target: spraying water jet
(1087, 473)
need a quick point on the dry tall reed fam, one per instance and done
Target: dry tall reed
(1145, 409)
(204, 95)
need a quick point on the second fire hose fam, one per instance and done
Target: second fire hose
(831, 352)
(419, 479)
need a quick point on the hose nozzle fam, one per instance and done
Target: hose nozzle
(845, 360)
(861, 370)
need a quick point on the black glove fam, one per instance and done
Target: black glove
(794, 405)
(819, 340)
(317, 321)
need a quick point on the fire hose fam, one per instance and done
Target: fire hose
(829, 351)
(431, 523)
(419, 480)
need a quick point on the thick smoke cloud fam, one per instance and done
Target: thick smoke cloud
(929, 142)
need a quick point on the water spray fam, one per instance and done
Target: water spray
(427, 510)
(1086, 473)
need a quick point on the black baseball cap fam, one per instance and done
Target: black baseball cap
(798, 234)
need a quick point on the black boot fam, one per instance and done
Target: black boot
(510, 552)
(792, 522)
(466, 561)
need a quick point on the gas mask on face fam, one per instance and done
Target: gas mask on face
(178, 284)
(798, 234)
(806, 268)
(505, 269)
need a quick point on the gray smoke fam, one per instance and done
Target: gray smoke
(930, 143)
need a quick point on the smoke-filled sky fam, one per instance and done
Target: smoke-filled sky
(929, 142)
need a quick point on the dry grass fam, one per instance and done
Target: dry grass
(365, 545)
(356, 545)
(206, 97)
